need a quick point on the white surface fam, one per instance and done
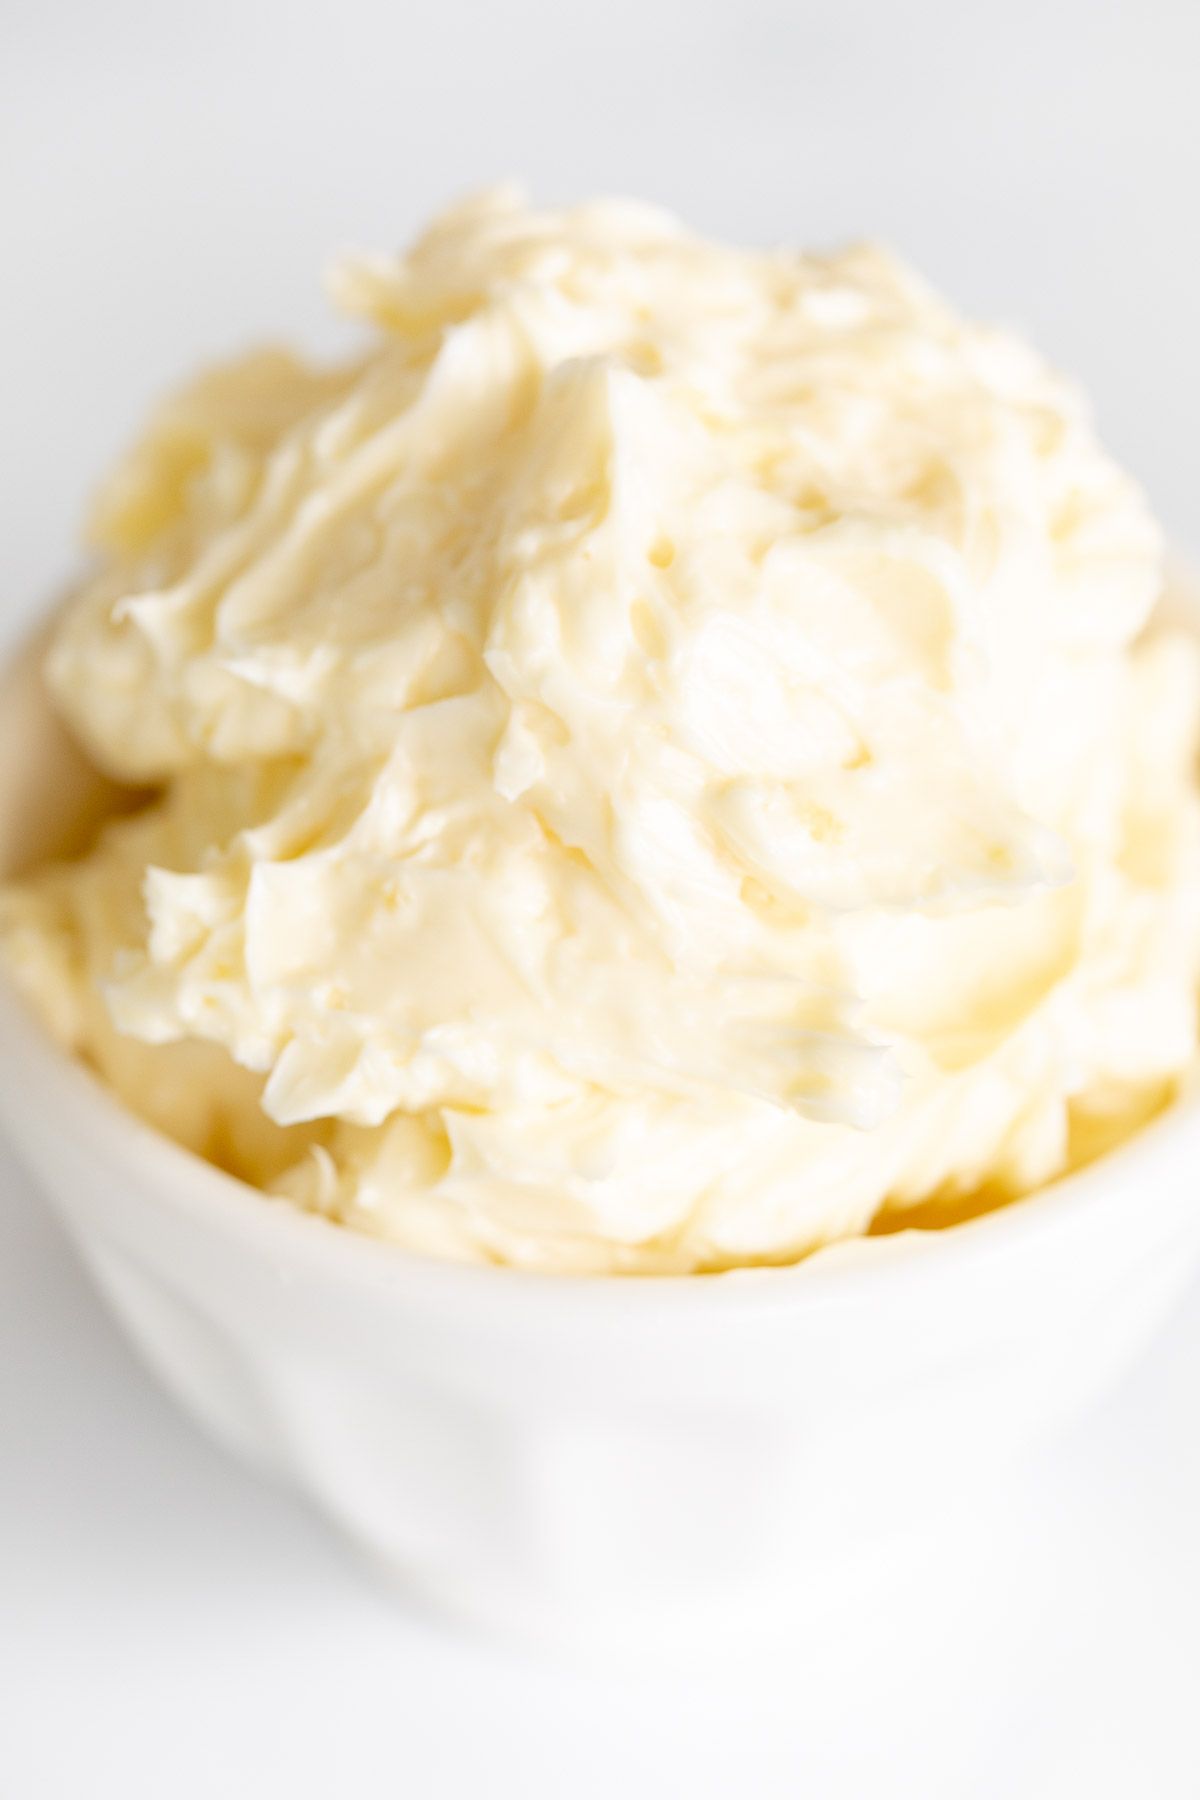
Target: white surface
(171, 177)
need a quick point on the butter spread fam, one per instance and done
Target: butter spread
(657, 762)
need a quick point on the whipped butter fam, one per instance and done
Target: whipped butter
(656, 764)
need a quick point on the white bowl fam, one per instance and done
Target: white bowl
(606, 1460)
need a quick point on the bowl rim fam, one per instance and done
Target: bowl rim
(836, 1273)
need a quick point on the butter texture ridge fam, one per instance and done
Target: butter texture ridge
(658, 761)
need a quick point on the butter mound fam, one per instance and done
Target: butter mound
(658, 763)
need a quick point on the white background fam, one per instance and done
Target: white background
(172, 178)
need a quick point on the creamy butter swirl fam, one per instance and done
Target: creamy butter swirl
(658, 763)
